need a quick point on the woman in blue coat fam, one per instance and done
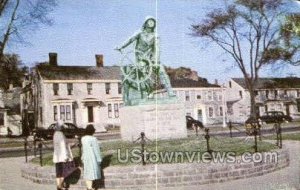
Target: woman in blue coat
(91, 157)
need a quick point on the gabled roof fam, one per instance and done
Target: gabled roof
(189, 83)
(270, 83)
(48, 72)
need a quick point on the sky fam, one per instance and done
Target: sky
(82, 29)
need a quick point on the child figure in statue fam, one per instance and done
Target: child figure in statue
(146, 56)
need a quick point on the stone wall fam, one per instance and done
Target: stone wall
(166, 175)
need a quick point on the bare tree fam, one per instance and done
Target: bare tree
(11, 71)
(250, 31)
(19, 18)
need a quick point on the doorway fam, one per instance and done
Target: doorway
(90, 114)
(287, 109)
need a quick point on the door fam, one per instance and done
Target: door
(287, 109)
(90, 114)
(199, 115)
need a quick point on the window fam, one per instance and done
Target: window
(210, 112)
(267, 93)
(55, 88)
(276, 93)
(198, 97)
(230, 84)
(298, 105)
(89, 87)
(298, 93)
(1, 118)
(68, 112)
(255, 92)
(214, 95)
(241, 94)
(107, 88)
(209, 95)
(187, 96)
(221, 111)
(266, 108)
(70, 88)
(188, 114)
(119, 88)
(62, 112)
(116, 109)
(55, 113)
(109, 110)
(285, 92)
(220, 97)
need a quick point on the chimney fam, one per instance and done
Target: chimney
(99, 60)
(216, 82)
(53, 59)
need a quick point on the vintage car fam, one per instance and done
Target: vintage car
(275, 117)
(70, 130)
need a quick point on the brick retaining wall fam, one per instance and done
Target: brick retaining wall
(167, 175)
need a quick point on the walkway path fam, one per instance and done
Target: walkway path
(285, 179)
(10, 176)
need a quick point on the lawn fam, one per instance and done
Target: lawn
(291, 136)
(12, 144)
(218, 144)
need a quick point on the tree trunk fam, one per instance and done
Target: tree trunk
(252, 104)
(250, 82)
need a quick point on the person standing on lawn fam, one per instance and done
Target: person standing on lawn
(91, 157)
(62, 153)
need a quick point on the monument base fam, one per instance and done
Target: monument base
(157, 121)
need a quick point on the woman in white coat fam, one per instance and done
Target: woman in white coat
(62, 153)
(91, 157)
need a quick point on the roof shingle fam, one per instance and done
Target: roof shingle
(48, 72)
(269, 83)
(189, 83)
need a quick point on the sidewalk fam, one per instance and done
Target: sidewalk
(10, 176)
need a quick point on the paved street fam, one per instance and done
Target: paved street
(287, 179)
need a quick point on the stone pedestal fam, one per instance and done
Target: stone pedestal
(157, 121)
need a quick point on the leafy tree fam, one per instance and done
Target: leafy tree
(11, 71)
(21, 17)
(251, 33)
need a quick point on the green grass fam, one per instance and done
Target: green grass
(11, 144)
(291, 136)
(220, 144)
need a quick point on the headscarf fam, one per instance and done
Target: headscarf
(59, 125)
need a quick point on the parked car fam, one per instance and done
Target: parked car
(190, 121)
(275, 116)
(70, 130)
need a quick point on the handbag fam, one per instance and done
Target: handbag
(68, 168)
